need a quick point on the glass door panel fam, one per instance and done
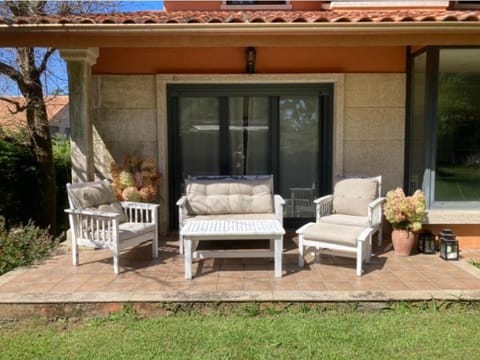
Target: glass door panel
(299, 153)
(199, 135)
(249, 135)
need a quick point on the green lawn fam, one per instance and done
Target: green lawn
(404, 332)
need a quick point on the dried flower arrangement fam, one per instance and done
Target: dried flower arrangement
(136, 180)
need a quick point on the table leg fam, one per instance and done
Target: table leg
(187, 250)
(278, 256)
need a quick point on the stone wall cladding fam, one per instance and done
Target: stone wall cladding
(374, 127)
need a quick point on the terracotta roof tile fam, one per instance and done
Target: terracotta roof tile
(54, 105)
(203, 17)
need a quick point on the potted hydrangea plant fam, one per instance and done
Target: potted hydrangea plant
(406, 214)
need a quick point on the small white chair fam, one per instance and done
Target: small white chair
(301, 201)
(98, 219)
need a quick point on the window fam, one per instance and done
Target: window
(444, 127)
(54, 130)
(466, 4)
(272, 2)
(237, 129)
(258, 5)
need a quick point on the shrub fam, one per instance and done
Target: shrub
(63, 175)
(18, 173)
(23, 246)
(17, 178)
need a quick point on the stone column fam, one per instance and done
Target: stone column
(79, 65)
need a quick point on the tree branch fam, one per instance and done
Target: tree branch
(18, 107)
(43, 65)
(9, 71)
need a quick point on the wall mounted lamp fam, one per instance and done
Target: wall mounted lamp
(250, 59)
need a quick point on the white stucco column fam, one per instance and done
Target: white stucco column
(79, 65)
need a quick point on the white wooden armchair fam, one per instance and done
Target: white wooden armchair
(354, 202)
(346, 220)
(98, 219)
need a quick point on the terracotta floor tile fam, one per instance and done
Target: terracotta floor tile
(229, 285)
(410, 276)
(177, 286)
(365, 284)
(120, 286)
(149, 285)
(323, 272)
(337, 285)
(285, 285)
(316, 285)
(420, 285)
(393, 285)
(66, 287)
(258, 285)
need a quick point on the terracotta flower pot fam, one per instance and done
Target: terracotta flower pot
(402, 241)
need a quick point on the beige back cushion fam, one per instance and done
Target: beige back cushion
(352, 196)
(92, 195)
(229, 196)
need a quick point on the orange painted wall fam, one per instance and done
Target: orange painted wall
(268, 60)
(468, 236)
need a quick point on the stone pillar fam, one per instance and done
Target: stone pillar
(79, 65)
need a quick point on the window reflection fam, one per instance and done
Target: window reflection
(458, 126)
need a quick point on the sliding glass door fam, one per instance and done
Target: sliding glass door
(254, 130)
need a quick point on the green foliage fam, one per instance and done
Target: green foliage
(475, 263)
(22, 246)
(17, 178)
(402, 332)
(63, 175)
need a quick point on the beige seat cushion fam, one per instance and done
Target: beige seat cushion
(331, 233)
(130, 230)
(352, 196)
(214, 197)
(341, 219)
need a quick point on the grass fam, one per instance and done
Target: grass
(475, 263)
(251, 331)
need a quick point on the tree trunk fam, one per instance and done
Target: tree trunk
(41, 143)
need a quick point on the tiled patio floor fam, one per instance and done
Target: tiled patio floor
(324, 278)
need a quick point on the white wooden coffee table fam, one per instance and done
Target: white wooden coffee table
(195, 231)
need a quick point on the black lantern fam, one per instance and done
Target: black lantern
(250, 60)
(448, 245)
(426, 242)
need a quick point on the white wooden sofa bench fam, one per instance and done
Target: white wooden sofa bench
(98, 220)
(230, 208)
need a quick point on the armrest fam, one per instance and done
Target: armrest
(375, 211)
(182, 211)
(93, 213)
(324, 206)
(182, 201)
(278, 203)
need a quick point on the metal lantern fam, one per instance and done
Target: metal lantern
(426, 242)
(448, 245)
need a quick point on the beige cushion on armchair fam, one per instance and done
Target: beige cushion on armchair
(352, 196)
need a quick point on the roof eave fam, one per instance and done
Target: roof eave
(158, 34)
